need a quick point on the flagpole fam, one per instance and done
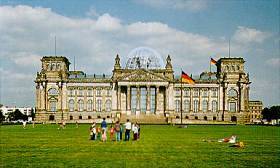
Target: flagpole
(181, 98)
(210, 64)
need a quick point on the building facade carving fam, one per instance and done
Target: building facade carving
(144, 90)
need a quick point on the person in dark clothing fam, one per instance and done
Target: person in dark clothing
(104, 125)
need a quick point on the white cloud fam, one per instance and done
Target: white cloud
(107, 22)
(27, 34)
(191, 5)
(275, 62)
(249, 35)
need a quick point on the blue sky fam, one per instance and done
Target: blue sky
(95, 31)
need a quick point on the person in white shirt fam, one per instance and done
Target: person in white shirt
(135, 131)
(127, 130)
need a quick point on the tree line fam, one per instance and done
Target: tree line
(16, 115)
(271, 113)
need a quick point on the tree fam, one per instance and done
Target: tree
(271, 113)
(32, 113)
(2, 117)
(17, 115)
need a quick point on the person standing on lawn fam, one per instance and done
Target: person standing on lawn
(127, 130)
(117, 130)
(104, 125)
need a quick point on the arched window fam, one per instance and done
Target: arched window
(52, 91)
(71, 105)
(195, 105)
(186, 105)
(214, 106)
(108, 105)
(52, 104)
(89, 105)
(204, 105)
(99, 105)
(177, 106)
(80, 105)
(232, 93)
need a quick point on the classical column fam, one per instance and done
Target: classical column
(191, 100)
(242, 91)
(128, 99)
(119, 98)
(38, 97)
(209, 99)
(148, 103)
(167, 99)
(138, 99)
(94, 100)
(157, 99)
(200, 100)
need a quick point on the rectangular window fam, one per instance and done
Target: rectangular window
(214, 93)
(186, 92)
(81, 92)
(205, 93)
(195, 92)
(232, 107)
(89, 92)
(177, 92)
(108, 92)
(53, 106)
(98, 92)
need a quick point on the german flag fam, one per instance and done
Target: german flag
(186, 79)
(212, 61)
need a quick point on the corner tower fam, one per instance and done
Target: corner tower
(51, 92)
(235, 88)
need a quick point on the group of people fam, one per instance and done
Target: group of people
(116, 131)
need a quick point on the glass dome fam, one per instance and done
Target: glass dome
(144, 58)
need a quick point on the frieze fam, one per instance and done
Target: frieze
(142, 75)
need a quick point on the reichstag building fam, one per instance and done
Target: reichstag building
(143, 90)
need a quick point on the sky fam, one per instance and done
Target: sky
(94, 32)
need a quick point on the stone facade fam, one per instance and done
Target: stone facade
(255, 108)
(144, 94)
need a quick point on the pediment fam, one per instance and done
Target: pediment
(142, 75)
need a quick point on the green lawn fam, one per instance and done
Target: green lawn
(159, 146)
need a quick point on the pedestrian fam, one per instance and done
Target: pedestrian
(121, 131)
(77, 124)
(24, 124)
(127, 130)
(93, 131)
(112, 131)
(33, 123)
(135, 131)
(98, 133)
(104, 125)
(104, 136)
(118, 130)
(138, 126)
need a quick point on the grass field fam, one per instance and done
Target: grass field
(159, 146)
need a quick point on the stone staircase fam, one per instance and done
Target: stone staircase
(144, 119)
